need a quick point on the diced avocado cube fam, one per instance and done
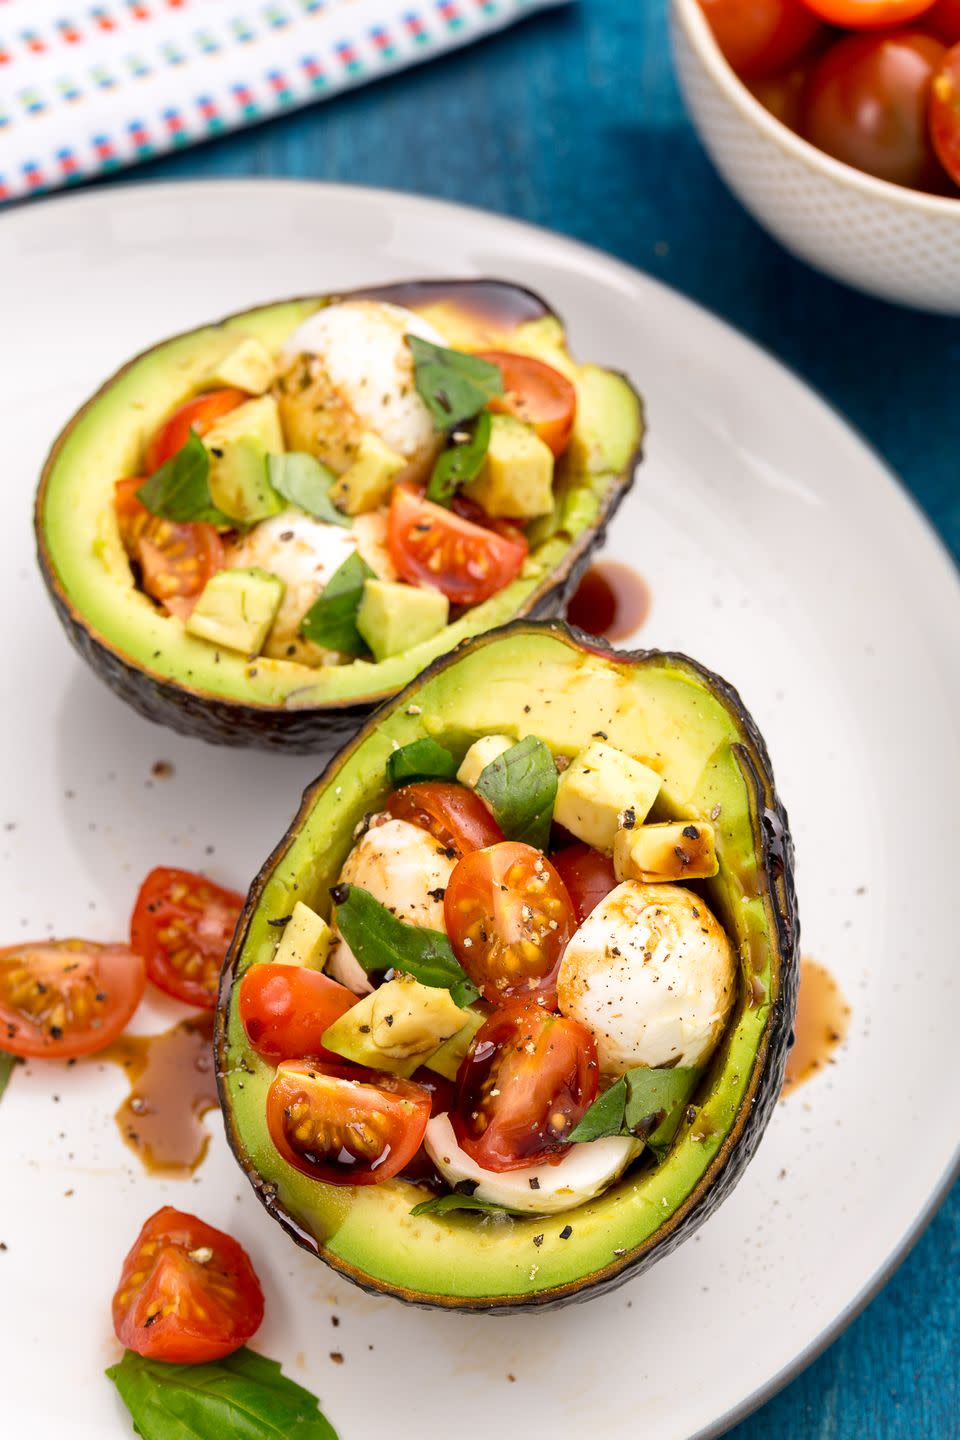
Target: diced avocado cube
(368, 481)
(306, 939)
(546, 340)
(237, 609)
(238, 446)
(607, 422)
(396, 1027)
(447, 1060)
(479, 756)
(517, 476)
(599, 786)
(244, 363)
(393, 618)
(678, 850)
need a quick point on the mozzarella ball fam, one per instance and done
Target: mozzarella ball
(304, 553)
(584, 1172)
(400, 865)
(347, 370)
(652, 975)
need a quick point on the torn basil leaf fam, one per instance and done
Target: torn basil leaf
(605, 1116)
(521, 787)
(462, 462)
(7, 1065)
(442, 1204)
(180, 489)
(331, 620)
(453, 386)
(420, 760)
(381, 943)
(301, 479)
(646, 1103)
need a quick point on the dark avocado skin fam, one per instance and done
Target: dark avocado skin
(777, 866)
(318, 730)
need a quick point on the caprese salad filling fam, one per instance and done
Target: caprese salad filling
(518, 989)
(338, 501)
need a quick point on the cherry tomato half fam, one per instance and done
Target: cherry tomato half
(945, 112)
(199, 415)
(433, 546)
(345, 1126)
(528, 1078)
(760, 37)
(944, 21)
(866, 104)
(182, 925)
(455, 816)
(509, 918)
(176, 560)
(187, 1292)
(868, 14)
(537, 393)
(587, 874)
(286, 1008)
(60, 998)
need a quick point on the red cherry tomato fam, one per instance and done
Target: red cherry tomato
(509, 918)
(187, 1292)
(453, 815)
(944, 21)
(782, 94)
(182, 925)
(199, 415)
(588, 875)
(433, 546)
(175, 560)
(537, 393)
(286, 1008)
(527, 1079)
(868, 14)
(866, 104)
(760, 37)
(945, 113)
(421, 1168)
(61, 998)
(345, 1126)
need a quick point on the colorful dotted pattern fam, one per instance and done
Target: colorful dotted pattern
(92, 87)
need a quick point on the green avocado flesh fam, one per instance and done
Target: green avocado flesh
(530, 679)
(84, 557)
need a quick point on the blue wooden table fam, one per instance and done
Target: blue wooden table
(573, 121)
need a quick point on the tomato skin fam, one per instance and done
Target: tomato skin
(944, 21)
(537, 393)
(215, 1301)
(432, 546)
(182, 925)
(945, 113)
(760, 37)
(509, 918)
(199, 414)
(286, 1008)
(588, 875)
(345, 1125)
(866, 104)
(868, 14)
(175, 560)
(455, 816)
(528, 1078)
(63, 998)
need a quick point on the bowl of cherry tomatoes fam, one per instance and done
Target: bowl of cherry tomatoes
(837, 124)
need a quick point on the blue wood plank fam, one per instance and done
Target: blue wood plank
(573, 121)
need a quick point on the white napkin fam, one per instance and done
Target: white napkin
(87, 88)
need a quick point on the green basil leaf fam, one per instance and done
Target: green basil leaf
(301, 479)
(8, 1064)
(381, 942)
(442, 1204)
(453, 386)
(605, 1116)
(331, 620)
(180, 489)
(656, 1100)
(521, 787)
(420, 760)
(461, 462)
(245, 1396)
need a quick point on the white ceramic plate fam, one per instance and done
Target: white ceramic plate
(779, 551)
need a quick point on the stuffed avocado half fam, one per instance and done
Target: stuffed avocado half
(258, 529)
(507, 1010)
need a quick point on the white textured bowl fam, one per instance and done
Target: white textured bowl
(896, 243)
